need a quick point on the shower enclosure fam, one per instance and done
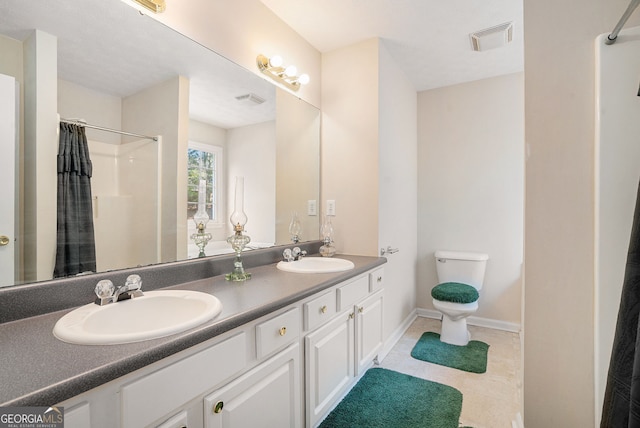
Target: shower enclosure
(617, 163)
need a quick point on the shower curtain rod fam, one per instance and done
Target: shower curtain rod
(611, 38)
(101, 128)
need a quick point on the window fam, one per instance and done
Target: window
(204, 181)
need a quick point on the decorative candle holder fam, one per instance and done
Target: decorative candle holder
(238, 240)
(201, 218)
(295, 228)
(201, 238)
(327, 250)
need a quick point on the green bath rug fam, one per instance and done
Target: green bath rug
(471, 358)
(384, 398)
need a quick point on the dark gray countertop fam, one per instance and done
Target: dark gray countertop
(36, 369)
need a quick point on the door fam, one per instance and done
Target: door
(8, 134)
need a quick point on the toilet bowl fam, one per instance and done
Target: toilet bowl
(460, 278)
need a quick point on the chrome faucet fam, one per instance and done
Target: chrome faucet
(107, 293)
(293, 255)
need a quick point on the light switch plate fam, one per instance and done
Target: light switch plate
(312, 207)
(331, 207)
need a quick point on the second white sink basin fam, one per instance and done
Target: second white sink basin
(156, 314)
(316, 265)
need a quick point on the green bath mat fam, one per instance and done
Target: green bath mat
(384, 398)
(471, 358)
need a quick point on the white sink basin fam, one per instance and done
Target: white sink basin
(316, 265)
(156, 314)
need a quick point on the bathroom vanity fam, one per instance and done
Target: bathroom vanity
(284, 350)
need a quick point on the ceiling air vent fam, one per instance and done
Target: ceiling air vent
(491, 38)
(250, 99)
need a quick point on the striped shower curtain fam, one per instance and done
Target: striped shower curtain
(75, 250)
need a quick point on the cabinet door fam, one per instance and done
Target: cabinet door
(368, 330)
(329, 358)
(267, 396)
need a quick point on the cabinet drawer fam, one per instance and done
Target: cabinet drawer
(277, 332)
(319, 310)
(376, 280)
(180, 382)
(350, 293)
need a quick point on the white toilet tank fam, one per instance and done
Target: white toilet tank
(464, 267)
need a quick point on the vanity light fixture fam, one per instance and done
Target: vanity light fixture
(288, 76)
(155, 6)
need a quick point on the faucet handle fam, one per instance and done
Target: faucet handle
(288, 256)
(133, 282)
(298, 253)
(105, 291)
(104, 288)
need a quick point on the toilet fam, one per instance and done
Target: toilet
(460, 278)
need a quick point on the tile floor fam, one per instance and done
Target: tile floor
(489, 400)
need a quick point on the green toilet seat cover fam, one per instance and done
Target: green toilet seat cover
(455, 292)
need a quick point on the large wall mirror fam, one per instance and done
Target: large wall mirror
(211, 121)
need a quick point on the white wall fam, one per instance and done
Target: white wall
(559, 218)
(40, 151)
(164, 110)
(471, 189)
(251, 153)
(297, 166)
(350, 154)
(97, 108)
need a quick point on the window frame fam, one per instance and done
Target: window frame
(218, 152)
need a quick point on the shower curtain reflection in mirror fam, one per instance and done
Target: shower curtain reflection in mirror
(75, 246)
(108, 199)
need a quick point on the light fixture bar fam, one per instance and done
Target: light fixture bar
(284, 75)
(155, 6)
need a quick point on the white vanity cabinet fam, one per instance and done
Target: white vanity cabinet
(167, 390)
(285, 369)
(265, 397)
(339, 351)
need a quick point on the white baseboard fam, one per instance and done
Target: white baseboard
(396, 335)
(478, 321)
(517, 422)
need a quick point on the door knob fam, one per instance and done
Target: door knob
(4, 240)
(388, 250)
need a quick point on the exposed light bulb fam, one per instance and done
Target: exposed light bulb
(291, 71)
(275, 61)
(303, 79)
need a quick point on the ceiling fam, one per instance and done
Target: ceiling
(428, 39)
(109, 47)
